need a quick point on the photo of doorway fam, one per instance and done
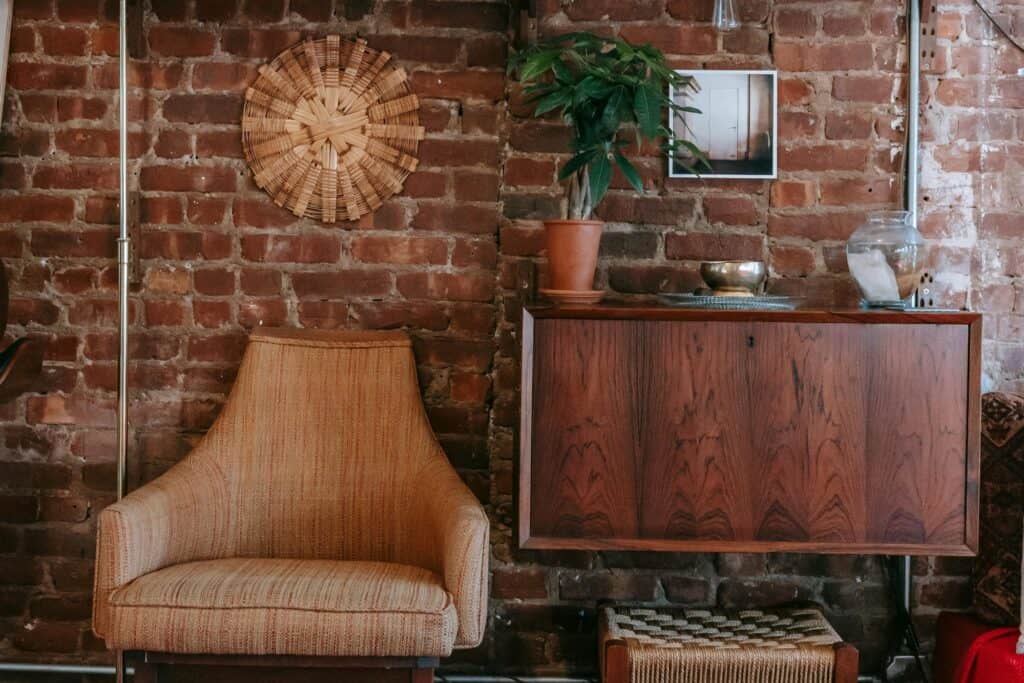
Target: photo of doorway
(736, 128)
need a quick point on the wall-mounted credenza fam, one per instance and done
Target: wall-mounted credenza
(817, 431)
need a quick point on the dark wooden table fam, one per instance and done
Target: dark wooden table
(651, 428)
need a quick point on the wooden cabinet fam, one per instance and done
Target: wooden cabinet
(670, 429)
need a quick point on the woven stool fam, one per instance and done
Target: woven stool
(640, 645)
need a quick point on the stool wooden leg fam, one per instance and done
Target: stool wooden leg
(146, 673)
(616, 663)
(846, 663)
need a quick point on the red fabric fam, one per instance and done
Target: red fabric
(968, 651)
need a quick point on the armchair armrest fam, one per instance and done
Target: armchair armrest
(461, 535)
(179, 517)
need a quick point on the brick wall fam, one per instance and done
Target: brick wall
(218, 258)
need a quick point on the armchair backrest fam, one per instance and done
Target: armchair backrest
(320, 444)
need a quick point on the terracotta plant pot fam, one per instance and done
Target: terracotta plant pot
(572, 253)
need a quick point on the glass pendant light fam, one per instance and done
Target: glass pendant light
(725, 17)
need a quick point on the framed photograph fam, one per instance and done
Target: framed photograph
(737, 128)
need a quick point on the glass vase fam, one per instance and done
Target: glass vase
(726, 18)
(887, 257)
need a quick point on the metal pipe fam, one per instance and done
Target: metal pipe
(69, 669)
(913, 109)
(124, 248)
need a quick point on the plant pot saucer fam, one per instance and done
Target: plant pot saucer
(572, 296)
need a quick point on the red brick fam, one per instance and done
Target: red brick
(214, 348)
(842, 24)
(261, 213)
(529, 172)
(731, 210)
(792, 261)
(485, 16)
(188, 178)
(203, 108)
(223, 76)
(837, 57)
(271, 312)
(476, 186)
(93, 142)
(487, 50)
(341, 284)
(32, 76)
(458, 152)
(73, 243)
(323, 314)
(793, 193)
(795, 22)
(141, 75)
(826, 226)
(269, 11)
(221, 143)
(447, 286)
(425, 315)
(863, 192)
(607, 586)
(76, 177)
(175, 41)
(309, 248)
(713, 246)
(260, 282)
(406, 250)
(63, 41)
(877, 89)
(422, 49)
(512, 583)
(257, 43)
(173, 144)
(823, 158)
(425, 184)
(848, 126)
(214, 282)
(679, 39)
(216, 10)
(206, 210)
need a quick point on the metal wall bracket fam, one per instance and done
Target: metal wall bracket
(134, 236)
(929, 20)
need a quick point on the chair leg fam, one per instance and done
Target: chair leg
(421, 676)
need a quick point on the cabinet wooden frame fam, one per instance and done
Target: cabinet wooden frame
(959, 536)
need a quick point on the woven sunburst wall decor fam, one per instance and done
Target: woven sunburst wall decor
(330, 129)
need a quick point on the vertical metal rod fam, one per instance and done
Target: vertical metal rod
(913, 108)
(123, 256)
(123, 261)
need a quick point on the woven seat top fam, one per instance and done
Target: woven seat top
(684, 629)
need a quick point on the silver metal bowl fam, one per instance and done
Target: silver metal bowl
(734, 278)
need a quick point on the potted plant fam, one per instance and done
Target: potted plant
(613, 95)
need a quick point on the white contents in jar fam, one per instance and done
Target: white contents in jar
(874, 275)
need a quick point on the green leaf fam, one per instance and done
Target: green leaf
(575, 164)
(630, 172)
(557, 99)
(648, 112)
(600, 178)
(536, 64)
(610, 118)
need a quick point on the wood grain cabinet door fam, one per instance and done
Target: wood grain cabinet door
(747, 435)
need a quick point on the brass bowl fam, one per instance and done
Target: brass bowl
(734, 278)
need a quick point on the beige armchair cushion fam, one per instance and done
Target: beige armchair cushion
(322, 452)
(309, 607)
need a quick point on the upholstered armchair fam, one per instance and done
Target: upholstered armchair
(317, 517)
